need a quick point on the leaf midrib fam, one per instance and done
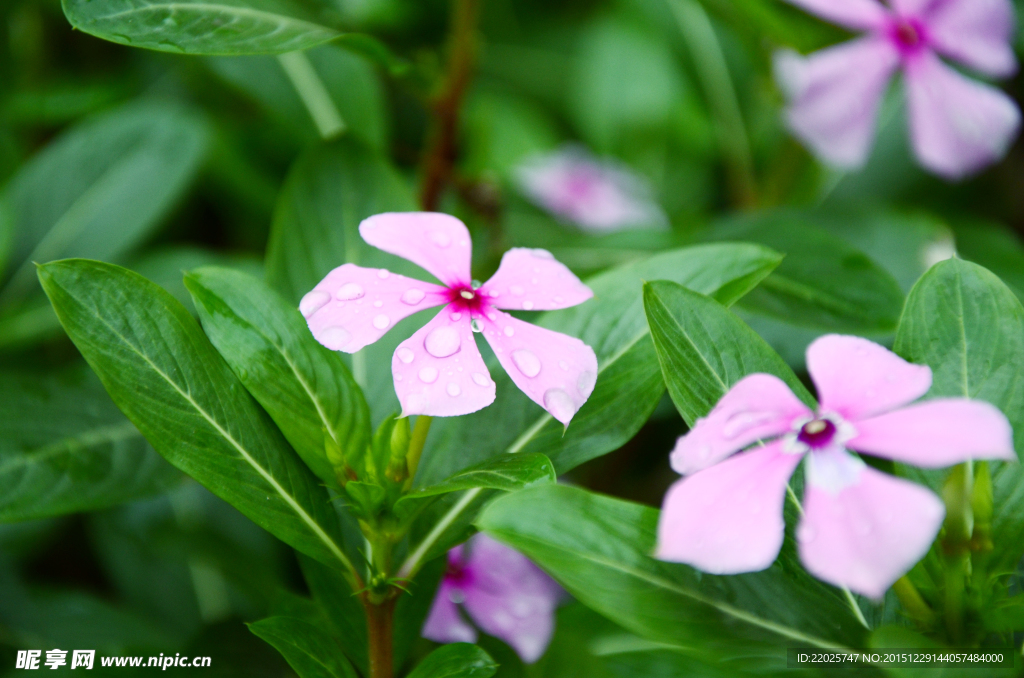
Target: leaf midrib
(85, 439)
(269, 17)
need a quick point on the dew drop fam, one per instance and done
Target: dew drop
(313, 302)
(416, 403)
(378, 303)
(453, 389)
(509, 330)
(703, 452)
(806, 533)
(527, 362)
(564, 365)
(527, 305)
(405, 354)
(585, 383)
(413, 296)
(381, 322)
(475, 325)
(534, 282)
(456, 316)
(442, 342)
(476, 284)
(383, 274)
(480, 379)
(494, 294)
(440, 239)
(517, 290)
(539, 253)
(398, 377)
(349, 291)
(558, 300)
(335, 338)
(559, 404)
(428, 375)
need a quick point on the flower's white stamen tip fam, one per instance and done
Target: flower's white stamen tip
(466, 294)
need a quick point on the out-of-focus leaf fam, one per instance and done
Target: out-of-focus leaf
(341, 606)
(456, 660)
(598, 548)
(309, 650)
(501, 131)
(65, 447)
(995, 247)
(305, 388)
(228, 27)
(169, 380)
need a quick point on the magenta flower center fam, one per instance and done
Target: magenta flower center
(463, 298)
(817, 433)
(457, 574)
(908, 35)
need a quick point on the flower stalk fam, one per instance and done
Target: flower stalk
(956, 545)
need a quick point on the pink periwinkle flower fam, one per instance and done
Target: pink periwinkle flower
(860, 528)
(598, 196)
(957, 125)
(439, 371)
(504, 593)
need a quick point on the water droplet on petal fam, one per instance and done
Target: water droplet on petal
(476, 284)
(585, 383)
(456, 317)
(335, 338)
(559, 404)
(378, 303)
(558, 300)
(405, 354)
(494, 294)
(703, 452)
(475, 325)
(349, 291)
(440, 239)
(428, 375)
(509, 330)
(313, 302)
(542, 254)
(806, 533)
(480, 379)
(517, 290)
(527, 305)
(413, 296)
(442, 342)
(564, 365)
(383, 274)
(381, 322)
(398, 377)
(416, 403)
(527, 362)
(453, 389)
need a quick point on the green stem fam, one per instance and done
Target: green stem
(313, 93)
(956, 545)
(416, 443)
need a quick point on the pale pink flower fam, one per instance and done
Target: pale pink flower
(598, 196)
(860, 528)
(957, 125)
(439, 371)
(504, 593)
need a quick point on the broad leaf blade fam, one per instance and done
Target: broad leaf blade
(704, 349)
(456, 660)
(304, 387)
(168, 379)
(308, 649)
(215, 27)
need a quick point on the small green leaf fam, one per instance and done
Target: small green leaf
(456, 660)
(308, 648)
(341, 605)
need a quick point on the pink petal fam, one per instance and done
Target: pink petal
(857, 378)
(556, 371)
(911, 8)
(937, 433)
(439, 371)
(438, 242)
(853, 14)
(444, 623)
(728, 518)
(532, 280)
(976, 33)
(869, 533)
(834, 96)
(511, 598)
(957, 125)
(757, 406)
(355, 306)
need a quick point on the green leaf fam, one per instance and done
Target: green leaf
(168, 379)
(340, 604)
(968, 326)
(456, 660)
(597, 547)
(704, 349)
(995, 247)
(823, 282)
(99, 189)
(629, 383)
(228, 27)
(304, 387)
(65, 448)
(309, 650)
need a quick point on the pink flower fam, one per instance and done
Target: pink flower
(597, 196)
(860, 528)
(504, 593)
(957, 125)
(438, 371)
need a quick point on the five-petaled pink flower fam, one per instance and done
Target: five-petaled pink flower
(597, 196)
(957, 125)
(860, 528)
(504, 593)
(439, 371)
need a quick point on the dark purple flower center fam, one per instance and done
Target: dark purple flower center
(817, 433)
(457, 573)
(466, 299)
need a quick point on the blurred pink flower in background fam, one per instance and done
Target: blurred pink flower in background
(597, 195)
(439, 371)
(860, 528)
(504, 593)
(957, 125)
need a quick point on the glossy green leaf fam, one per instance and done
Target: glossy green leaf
(598, 548)
(308, 648)
(342, 608)
(99, 189)
(228, 27)
(65, 447)
(704, 349)
(304, 387)
(168, 379)
(823, 282)
(456, 660)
